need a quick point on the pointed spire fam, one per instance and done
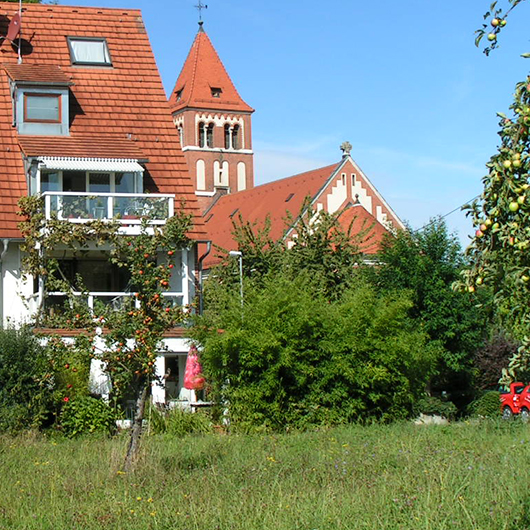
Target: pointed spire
(204, 83)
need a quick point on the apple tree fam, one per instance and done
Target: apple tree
(131, 332)
(495, 19)
(499, 252)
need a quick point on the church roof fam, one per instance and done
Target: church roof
(118, 110)
(366, 231)
(204, 83)
(276, 199)
(283, 199)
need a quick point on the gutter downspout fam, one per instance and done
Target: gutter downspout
(5, 243)
(201, 259)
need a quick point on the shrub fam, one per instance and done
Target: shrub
(432, 405)
(486, 406)
(26, 381)
(178, 422)
(492, 358)
(85, 415)
(295, 358)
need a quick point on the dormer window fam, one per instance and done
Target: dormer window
(42, 108)
(216, 92)
(89, 51)
(40, 99)
(179, 94)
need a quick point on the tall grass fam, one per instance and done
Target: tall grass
(460, 476)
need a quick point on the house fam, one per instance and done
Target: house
(84, 118)
(214, 125)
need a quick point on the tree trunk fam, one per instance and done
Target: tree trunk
(136, 427)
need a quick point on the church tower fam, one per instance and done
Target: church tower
(214, 124)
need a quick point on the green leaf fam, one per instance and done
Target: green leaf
(479, 37)
(525, 55)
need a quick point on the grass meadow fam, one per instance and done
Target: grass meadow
(461, 476)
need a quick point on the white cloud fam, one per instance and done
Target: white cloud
(273, 162)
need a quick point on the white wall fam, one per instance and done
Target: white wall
(18, 304)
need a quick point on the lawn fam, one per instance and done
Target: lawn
(461, 476)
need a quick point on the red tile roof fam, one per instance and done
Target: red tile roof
(279, 199)
(83, 147)
(114, 109)
(202, 72)
(366, 231)
(30, 73)
(274, 199)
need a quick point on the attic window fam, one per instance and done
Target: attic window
(44, 108)
(233, 213)
(289, 197)
(179, 94)
(216, 92)
(89, 51)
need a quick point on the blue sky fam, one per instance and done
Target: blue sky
(401, 81)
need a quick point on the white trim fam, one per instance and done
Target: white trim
(368, 182)
(91, 164)
(218, 150)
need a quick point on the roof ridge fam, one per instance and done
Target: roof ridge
(295, 176)
(195, 62)
(62, 7)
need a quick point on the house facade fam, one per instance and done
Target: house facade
(85, 122)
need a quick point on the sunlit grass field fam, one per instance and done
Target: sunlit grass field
(461, 476)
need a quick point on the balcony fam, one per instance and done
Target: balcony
(55, 301)
(129, 209)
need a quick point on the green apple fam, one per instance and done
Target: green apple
(514, 206)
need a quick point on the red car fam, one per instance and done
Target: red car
(516, 401)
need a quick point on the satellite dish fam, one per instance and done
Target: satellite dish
(14, 27)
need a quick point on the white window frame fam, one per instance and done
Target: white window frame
(106, 61)
(138, 184)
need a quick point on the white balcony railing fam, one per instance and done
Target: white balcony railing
(126, 208)
(114, 299)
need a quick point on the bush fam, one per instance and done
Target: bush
(492, 358)
(486, 406)
(432, 405)
(296, 359)
(85, 415)
(178, 422)
(26, 381)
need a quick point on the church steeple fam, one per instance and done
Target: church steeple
(204, 82)
(214, 123)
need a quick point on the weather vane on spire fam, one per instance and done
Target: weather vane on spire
(200, 6)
